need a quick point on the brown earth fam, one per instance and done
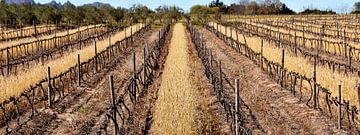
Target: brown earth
(79, 112)
(212, 117)
(273, 108)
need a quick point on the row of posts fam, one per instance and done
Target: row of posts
(134, 85)
(347, 48)
(79, 73)
(314, 78)
(8, 57)
(111, 82)
(236, 86)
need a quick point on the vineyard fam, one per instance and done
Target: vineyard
(179, 73)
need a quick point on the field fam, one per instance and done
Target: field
(277, 74)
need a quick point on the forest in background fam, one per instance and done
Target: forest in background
(54, 13)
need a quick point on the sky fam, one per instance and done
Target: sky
(340, 6)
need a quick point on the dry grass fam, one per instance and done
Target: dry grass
(16, 53)
(31, 39)
(15, 84)
(40, 28)
(325, 76)
(175, 108)
(308, 35)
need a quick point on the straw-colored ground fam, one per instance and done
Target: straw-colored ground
(31, 39)
(325, 76)
(175, 108)
(83, 109)
(307, 35)
(27, 31)
(347, 21)
(267, 108)
(15, 84)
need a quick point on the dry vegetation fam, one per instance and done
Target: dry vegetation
(15, 84)
(31, 39)
(325, 76)
(175, 108)
(279, 21)
(183, 101)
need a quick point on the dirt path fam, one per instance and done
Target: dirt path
(275, 109)
(175, 108)
(185, 104)
(80, 112)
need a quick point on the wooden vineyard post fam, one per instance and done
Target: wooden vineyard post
(111, 83)
(314, 77)
(339, 108)
(49, 88)
(47, 25)
(345, 45)
(21, 30)
(322, 35)
(96, 57)
(160, 34)
(144, 68)
(323, 30)
(337, 30)
(79, 70)
(109, 48)
(131, 33)
(279, 44)
(204, 50)
(303, 36)
(295, 44)
(220, 74)
(211, 64)
(35, 31)
(55, 40)
(237, 106)
(8, 61)
(134, 77)
(350, 57)
(282, 66)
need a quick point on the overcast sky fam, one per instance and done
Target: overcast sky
(297, 5)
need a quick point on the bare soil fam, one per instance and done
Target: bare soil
(212, 117)
(80, 112)
(274, 109)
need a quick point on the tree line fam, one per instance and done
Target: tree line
(258, 7)
(245, 7)
(53, 13)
